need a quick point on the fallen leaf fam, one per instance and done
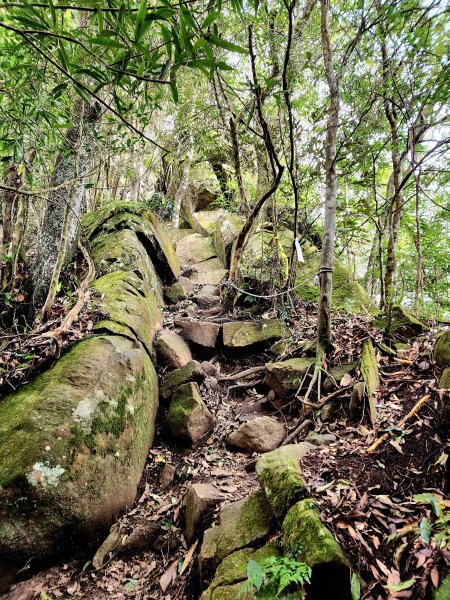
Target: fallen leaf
(188, 557)
(169, 576)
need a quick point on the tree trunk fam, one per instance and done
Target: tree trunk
(67, 168)
(12, 180)
(326, 257)
(237, 167)
(418, 292)
(182, 188)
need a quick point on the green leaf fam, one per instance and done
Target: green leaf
(212, 16)
(431, 499)
(107, 42)
(403, 585)
(218, 41)
(425, 530)
(140, 16)
(355, 587)
(255, 574)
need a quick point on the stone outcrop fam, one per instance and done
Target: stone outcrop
(202, 333)
(190, 372)
(279, 475)
(285, 377)
(189, 418)
(172, 350)
(239, 334)
(259, 435)
(200, 498)
(441, 352)
(226, 230)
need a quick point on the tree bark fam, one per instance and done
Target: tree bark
(67, 167)
(182, 188)
(326, 257)
(12, 180)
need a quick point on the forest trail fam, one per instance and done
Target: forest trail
(155, 551)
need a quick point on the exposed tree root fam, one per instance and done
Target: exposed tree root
(328, 398)
(297, 431)
(242, 374)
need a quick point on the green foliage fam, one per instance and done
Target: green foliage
(275, 576)
(160, 205)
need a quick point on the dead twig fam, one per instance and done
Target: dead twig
(371, 449)
(243, 385)
(297, 430)
(242, 374)
(327, 398)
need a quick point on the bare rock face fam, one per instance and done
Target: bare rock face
(263, 434)
(172, 350)
(189, 418)
(199, 498)
(203, 333)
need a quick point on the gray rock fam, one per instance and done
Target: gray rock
(203, 333)
(172, 350)
(199, 498)
(188, 417)
(259, 435)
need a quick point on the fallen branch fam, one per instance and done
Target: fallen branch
(400, 424)
(244, 385)
(296, 431)
(242, 374)
(327, 398)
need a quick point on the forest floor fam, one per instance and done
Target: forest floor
(396, 539)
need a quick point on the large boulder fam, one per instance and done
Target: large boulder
(239, 334)
(259, 435)
(73, 443)
(243, 523)
(122, 251)
(227, 228)
(130, 305)
(442, 349)
(285, 377)
(135, 217)
(172, 350)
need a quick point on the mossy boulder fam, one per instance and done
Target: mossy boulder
(444, 381)
(135, 217)
(403, 323)
(442, 349)
(227, 228)
(189, 418)
(130, 303)
(370, 373)
(122, 251)
(73, 443)
(192, 371)
(312, 542)
(285, 377)
(280, 477)
(233, 570)
(239, 334)
(175, 293)
(243, 523)
(257, 265)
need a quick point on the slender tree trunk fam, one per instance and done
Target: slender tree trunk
(67, 167)
(326, 258)
(12, 180)
(237, 167)
(418, 292)
(182, 188)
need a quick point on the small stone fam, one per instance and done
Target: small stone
(190, 372)
(356, 401)
(166, 476)
(144, 535)
(444, 381)
(442, 349)
(175, 293)
(203, 333)
(189, 417)
(199, 498)
(285, 377)
(337, 373)
(271, 395)
(320, 439)
(172, 350)
(259, 435)
(243, 523)
(279, 474)
(240, 334)
(208, 368)
(327, 412)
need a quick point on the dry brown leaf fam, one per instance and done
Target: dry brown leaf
(169, 576)
(434, 576)
(188, 557)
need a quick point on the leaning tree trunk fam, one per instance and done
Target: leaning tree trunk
(326, 257)
(182, 188)
(71, 168)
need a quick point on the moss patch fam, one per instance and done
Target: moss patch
(369, 370)
(286, 376)
(442, 349)
(403, 323)
(239, 334)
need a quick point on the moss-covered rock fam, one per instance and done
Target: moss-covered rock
(122, 251)
(279, 475)
(129, 215)
(227, 228)
(175, 293)
(129, 302)
(444, 381)
(443, 592)
(243, 523)
(403, 323)
(73, 443)
(192, 371)
(305, 536)
(257, 266)
(285, 377)
(239, 334)
(369, 370)
(336, 374)
(233, 569)
(188, 417)
(442, 349)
